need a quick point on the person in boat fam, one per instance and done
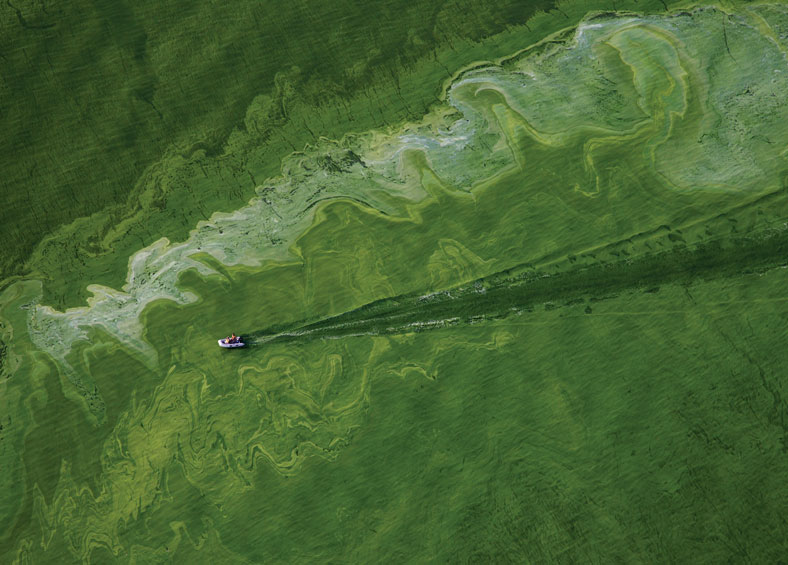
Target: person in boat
(232, 339)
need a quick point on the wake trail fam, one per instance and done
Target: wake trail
(522, 289)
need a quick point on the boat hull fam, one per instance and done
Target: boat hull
(223, 343)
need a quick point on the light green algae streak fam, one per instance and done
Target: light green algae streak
(626, 425)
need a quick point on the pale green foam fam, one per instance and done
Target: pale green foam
(666, 82)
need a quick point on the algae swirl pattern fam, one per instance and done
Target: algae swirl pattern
(461, 329)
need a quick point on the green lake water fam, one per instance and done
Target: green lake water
(512, 282)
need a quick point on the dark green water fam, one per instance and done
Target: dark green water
(512, 279)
